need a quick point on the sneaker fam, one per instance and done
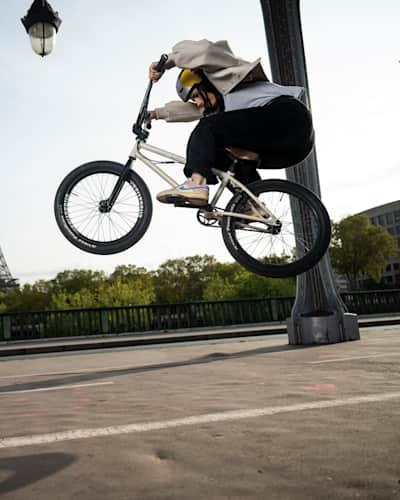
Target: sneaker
(186, 193)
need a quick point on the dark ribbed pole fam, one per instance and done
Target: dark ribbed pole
(318, 316)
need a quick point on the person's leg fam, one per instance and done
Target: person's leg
(206, 143)
(202, 152)
(293, 136)
(282, 127)
(246, 173)
(202, 155)
(200, 158)
(278, 131)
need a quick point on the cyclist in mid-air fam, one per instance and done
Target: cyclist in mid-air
(238, 107)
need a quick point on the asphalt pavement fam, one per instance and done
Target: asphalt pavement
(223, 419)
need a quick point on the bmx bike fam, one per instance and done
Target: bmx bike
(105, 207)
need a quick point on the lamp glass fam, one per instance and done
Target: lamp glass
(43, 38)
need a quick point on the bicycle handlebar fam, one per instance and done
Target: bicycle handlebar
(137, 127)
(161, 63)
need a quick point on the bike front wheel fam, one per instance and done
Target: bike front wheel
(84, 222)
(294, 245)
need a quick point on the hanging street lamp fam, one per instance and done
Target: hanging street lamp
(41, 23)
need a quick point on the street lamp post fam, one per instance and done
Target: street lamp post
(319, 316)
(41, 23)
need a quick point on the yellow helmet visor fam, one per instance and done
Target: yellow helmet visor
(187, 79)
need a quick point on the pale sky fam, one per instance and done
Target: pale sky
(78, 105)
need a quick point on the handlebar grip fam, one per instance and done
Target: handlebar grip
(161, 63)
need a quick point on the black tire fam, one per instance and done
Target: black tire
(275, 255)
(76, 208)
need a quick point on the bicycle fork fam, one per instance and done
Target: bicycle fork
(105, 206)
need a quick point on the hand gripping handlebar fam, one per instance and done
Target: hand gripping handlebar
(161, 63)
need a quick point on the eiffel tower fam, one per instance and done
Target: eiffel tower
(7, 282)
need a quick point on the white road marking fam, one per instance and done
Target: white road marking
(71, 372)
(55, 388)
(55, 437)
(334, 360)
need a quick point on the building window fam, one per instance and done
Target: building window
(397, 216)
(396, 266)
(388, 268)
(389, 219)
(381, 220)
(372, 220)
(391, 230)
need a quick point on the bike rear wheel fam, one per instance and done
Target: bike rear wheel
(80, 217)
(268, 251)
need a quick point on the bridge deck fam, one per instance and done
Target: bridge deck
(237, 419)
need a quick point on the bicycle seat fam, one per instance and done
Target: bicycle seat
(242, 154)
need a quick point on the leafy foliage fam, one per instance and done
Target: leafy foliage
(199, 277)
(183, 280)
(359, 248)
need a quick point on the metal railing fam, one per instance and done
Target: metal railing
(373, 302)
(164, 317)
(158, 317)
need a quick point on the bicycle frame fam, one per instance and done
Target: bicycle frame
(227, 178)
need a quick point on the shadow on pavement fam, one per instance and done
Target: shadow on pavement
(28, 469)
(86, 377)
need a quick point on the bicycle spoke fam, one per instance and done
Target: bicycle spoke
(82, 208)
(261, 245)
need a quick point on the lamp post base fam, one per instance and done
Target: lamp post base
(316, 329)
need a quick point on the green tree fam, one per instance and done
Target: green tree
(72, 281)
(183, 280)
(242, 284)
(360, 248)
(80, 288)
(3, 305)
(119, 291)
(249, 285)
(25, 298)
(131, 285)
(176, 280)
(122, 291)
(204, 278)
(81, 299)
(127, 272)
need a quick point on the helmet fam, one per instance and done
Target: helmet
(186, 82)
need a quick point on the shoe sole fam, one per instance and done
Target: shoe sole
(179, 200)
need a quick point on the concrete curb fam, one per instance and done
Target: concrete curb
(48, 346)
(143, 340)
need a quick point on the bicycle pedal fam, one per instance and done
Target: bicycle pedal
(180, 201)
(189, 205)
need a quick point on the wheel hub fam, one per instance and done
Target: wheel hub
(276, 229)
(104, 207)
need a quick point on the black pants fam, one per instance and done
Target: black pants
(281, 132)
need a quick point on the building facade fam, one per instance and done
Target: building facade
(388, 216)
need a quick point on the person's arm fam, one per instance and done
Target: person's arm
(176, 111)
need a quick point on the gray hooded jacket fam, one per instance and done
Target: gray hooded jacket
(225, 71)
